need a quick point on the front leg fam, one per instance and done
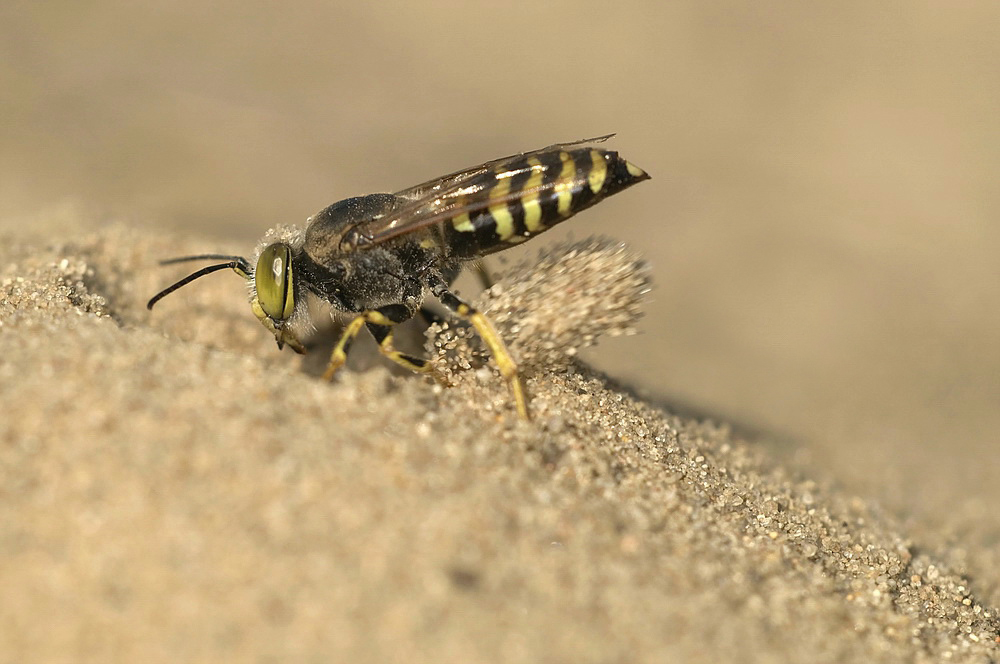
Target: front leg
(379, 322)
(339, 355)
(506, 364)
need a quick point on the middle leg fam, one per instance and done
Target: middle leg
(383, 335)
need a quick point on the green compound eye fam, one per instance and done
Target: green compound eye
(273, 279)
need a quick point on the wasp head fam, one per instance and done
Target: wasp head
(273, 294)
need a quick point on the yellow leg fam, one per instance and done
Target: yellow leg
(508, 369)
(383, 335)
(380, 325)
(339, 354)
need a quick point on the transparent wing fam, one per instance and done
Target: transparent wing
(445, 197)
(452, 180)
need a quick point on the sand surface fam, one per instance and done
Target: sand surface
(174, 489)
(821, 236)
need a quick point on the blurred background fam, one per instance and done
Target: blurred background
(822, 222)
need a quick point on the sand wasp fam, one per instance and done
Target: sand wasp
(378, 255)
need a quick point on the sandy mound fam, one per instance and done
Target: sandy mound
(176, 490)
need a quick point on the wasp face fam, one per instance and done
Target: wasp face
(273, 288)
(274, 293)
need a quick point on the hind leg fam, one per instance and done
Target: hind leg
(508, 369)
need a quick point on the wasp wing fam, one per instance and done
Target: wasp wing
(448, 196)
(447, 182)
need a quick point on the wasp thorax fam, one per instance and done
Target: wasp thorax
(273, 281)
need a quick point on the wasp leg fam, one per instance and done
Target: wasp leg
(383, 335)
(483, 274)
(339, 354)
(508, 369)
(379, 322)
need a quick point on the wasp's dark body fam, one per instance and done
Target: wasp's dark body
(377, 255)
(365, 252)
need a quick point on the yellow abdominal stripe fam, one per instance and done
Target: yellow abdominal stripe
(634, 170)
(530, 202)
(598, 171)
(564, 185)
(501, 211)
(462, 222)
(500, 207)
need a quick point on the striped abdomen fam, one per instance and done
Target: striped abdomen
(530, 195)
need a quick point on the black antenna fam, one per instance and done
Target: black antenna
(237, 263)
(204, 257)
